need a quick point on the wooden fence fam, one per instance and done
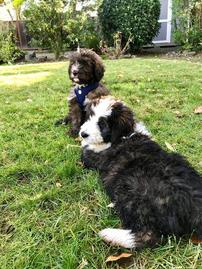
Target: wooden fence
(22, 37)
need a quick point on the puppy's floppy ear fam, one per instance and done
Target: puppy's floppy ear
(72, 58)
(122, 122)
(98, 68)
(104, 129)
(69, 69)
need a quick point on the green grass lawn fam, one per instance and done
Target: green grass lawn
(51, 209)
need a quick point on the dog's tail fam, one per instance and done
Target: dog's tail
(118, 237)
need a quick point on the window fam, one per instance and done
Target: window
(164, 35)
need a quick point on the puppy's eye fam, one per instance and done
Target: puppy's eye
(104, 129)
(102, 123)
(82, 63)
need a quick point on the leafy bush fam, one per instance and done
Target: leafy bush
(188, 24)
(8, 50)
(58, 25)
(83, 30)
(45, 21)
(138, 19)
(90, 36)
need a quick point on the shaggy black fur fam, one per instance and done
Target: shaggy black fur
(89, 70)
(155, 192)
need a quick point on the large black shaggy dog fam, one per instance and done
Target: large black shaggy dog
(154, 192)
(85, 70)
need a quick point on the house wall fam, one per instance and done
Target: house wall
(4, 15)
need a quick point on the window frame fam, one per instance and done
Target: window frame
(169, 25)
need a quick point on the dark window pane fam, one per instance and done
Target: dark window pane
(164, 9)
(162, 32)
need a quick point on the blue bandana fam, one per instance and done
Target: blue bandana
(81, 93)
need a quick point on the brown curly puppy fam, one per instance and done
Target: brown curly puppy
(85, 70)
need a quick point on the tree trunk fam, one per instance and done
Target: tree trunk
(57, 54)
(17, 11)
(57, 49)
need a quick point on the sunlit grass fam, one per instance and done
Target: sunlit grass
(51, 208)
(23, 79)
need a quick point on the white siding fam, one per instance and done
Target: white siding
(4, 15)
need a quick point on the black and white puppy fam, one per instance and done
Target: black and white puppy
(155, 193)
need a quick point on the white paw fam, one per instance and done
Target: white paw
(118, 237)
(141, 128)
(112, 205)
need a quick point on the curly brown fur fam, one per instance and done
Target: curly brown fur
(85, 68)
(155, 192)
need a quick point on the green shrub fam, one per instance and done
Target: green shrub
(90, 37)
(58, 25)
(189, 40)
(83, 31)
(46, 21)
(138, 19)
(8, 50)
(187, 17)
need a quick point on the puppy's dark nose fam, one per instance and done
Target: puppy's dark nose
(75, 72)
(84, 135)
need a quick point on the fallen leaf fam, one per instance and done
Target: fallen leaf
(111, 205)
(83, 264)
(178, 114)
(198, 110)
(169, 146)
(78, 139)
(83, 209)
(41, 223)
(119, 257)
(135, 81)
(195, 240)
(58, 184)
(80, 163)
(73, 146)
(120, 75)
